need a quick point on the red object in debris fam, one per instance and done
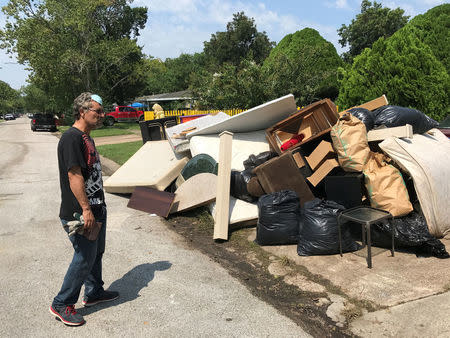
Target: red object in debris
(294, 140)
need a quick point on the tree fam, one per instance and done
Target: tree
(36, 100)
(373, 22)
(74, 46)
(304, 64)
(403, 68)
(231, 86)
(9, 98)
(179, 70)
(432, 29)
(241, 40)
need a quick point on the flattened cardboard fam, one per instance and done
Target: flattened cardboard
(323, 171)
(322, 152)
(151, 200)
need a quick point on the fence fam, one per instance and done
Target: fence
(149, 115)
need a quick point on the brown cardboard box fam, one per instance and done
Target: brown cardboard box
(312, 121)
(322, 152)
(323, 171)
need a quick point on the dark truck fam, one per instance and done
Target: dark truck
(43, 122)
(123, 114)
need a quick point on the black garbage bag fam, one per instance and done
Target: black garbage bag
(395, 116)
(238, 185)
(279, 215)
(318, 234)
(410, 232)
(365, 115)
(254, 161)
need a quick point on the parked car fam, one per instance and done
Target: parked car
(30, 115)
(123, 114)
(43, 122)
(9, 117)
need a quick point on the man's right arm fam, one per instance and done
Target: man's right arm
(77, 185)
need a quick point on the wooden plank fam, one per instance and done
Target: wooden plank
(151, 200)
(223, 187)
(371, 105)
(382, 134)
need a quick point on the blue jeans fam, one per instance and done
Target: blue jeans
(86, 266)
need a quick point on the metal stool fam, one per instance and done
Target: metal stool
(365, 216)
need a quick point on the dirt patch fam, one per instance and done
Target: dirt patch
(250, 264)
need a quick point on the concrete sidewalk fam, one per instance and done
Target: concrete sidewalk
(402, 295)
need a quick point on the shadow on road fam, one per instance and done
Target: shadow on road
(130, 285)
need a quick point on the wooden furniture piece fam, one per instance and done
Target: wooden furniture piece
(313, 121)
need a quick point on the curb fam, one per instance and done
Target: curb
(109, 167)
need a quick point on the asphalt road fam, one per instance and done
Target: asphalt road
(167, 289)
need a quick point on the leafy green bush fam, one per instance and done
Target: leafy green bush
(433, 29)
(403, 68)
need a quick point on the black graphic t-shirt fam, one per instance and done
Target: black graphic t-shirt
(76, 148)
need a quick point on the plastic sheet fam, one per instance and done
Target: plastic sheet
(238, 187)
(395, 116)
(318, 234)
(279, 215)
(410, 231)
(255, 160)
(365, 115)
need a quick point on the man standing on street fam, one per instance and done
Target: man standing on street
(80, 176)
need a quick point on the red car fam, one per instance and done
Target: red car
(124, 114)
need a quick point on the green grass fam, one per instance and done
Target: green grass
(121, 152)
(117, 129)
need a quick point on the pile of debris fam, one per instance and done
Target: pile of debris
(292, 173)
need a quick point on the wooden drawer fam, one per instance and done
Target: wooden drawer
(312, 121)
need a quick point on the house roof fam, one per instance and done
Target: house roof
(181, 95)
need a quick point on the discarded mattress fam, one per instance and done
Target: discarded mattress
(259, 117)
(240, 211)
(427, 160)
(182, 144)
(154, 165)
(243, 145)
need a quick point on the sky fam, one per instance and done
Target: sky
(182, 26)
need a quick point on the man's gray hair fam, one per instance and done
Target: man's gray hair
(83, 101)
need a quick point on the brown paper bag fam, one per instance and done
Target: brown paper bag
(349, 137)
(385, 186)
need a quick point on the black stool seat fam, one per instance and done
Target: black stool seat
(365, 216)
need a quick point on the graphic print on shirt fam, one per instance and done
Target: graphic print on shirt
(93, 185)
